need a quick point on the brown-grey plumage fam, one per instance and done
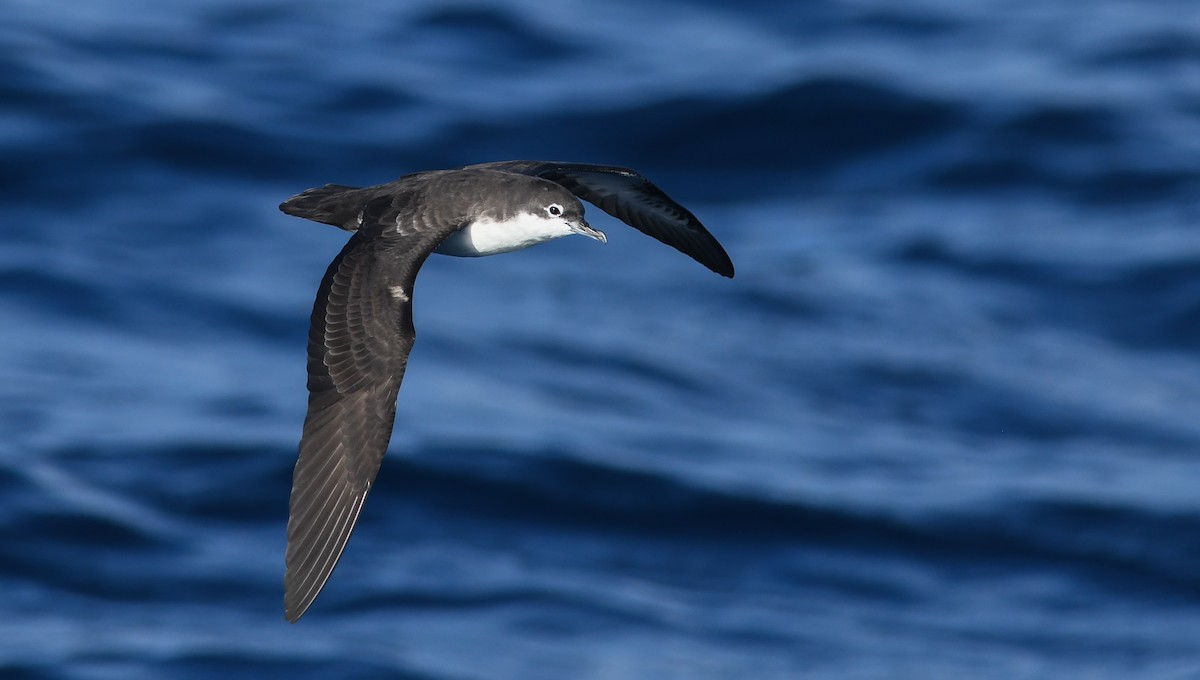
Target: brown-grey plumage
(621, 192)
(362, 331)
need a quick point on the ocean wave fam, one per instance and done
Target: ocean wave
(1106, 300)
(549, 491)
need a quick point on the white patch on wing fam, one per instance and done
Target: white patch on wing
(398, 293)
(489, 237)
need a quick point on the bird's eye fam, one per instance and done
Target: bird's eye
(554, 209)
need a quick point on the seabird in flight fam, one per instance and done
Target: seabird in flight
(362, 329)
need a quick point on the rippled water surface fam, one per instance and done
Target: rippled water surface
(944, 423)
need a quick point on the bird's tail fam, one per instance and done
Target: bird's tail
(331, 204)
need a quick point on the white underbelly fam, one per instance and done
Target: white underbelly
(488, 237)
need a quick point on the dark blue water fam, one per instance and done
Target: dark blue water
(945, 423)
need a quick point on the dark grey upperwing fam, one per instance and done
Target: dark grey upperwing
(358, 346)
(633, 199)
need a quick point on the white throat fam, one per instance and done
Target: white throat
(489, 237)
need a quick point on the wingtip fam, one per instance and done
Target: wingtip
(719, 262)
(294, 605)
(724, 265)
(293, 608)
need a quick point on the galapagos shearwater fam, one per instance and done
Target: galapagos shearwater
(362, 329)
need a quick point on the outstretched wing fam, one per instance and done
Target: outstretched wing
(633, 199)
(358, 347)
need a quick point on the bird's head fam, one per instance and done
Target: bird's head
(542, 205)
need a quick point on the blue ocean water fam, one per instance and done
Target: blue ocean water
(944, 423)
